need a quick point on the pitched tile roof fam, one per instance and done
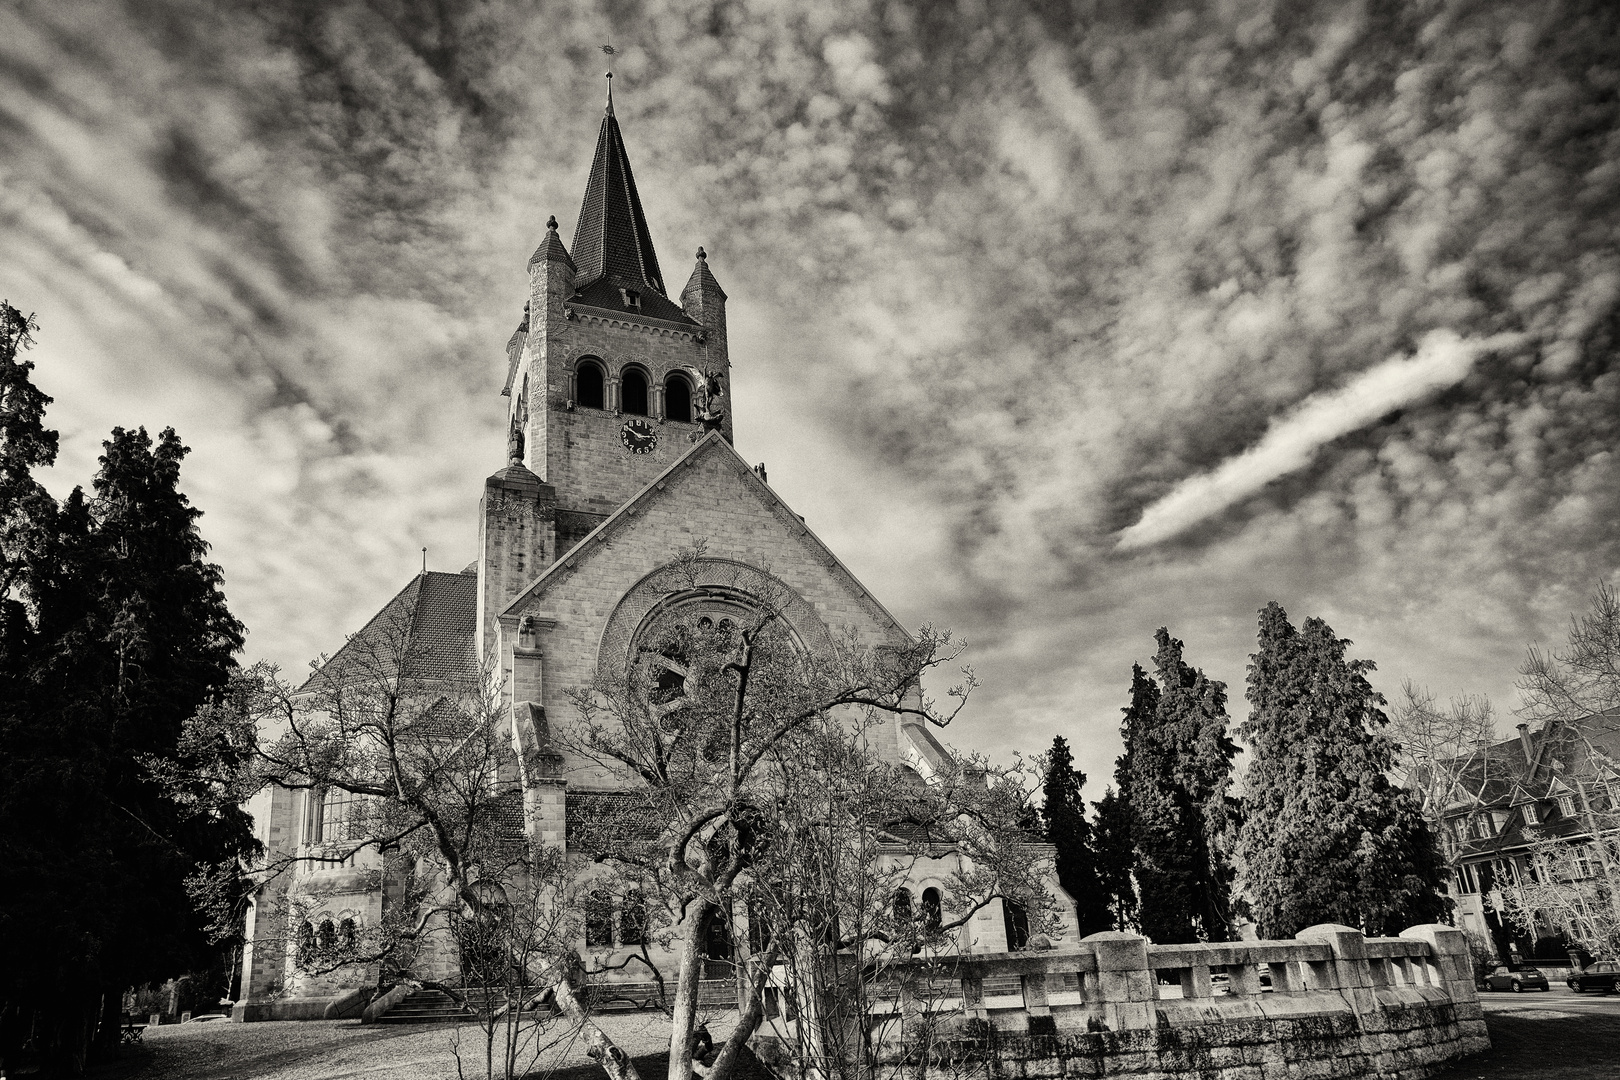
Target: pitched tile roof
(428, 626)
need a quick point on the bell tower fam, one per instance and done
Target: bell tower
(609, 379)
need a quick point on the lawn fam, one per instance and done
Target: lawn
(1532, 1040)
(343, 1049)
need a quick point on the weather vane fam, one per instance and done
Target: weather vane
(609, 50)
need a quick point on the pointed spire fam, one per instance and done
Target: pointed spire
(612, 239)
(609, 110)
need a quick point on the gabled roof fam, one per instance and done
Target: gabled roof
(629, 512)
(429, 625)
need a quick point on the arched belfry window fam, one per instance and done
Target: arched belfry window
(678, 398)
(590, 385)
(633, 392)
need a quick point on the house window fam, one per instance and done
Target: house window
(633, 392)
(1584, 867)
(1532, 815)
(589, 385)
(1566, 805)
(678, 398)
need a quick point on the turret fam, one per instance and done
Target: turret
(705, 302)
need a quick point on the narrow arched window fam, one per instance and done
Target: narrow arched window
(306, 943)
(678, 398)
(1016, 916)
(633, 392)
(348, 936)
(931, 909)
(633, 918)
(599, 920)
(902, 905)
(327, 936)
(590, 385)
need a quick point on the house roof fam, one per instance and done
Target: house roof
(428, 627)
(1500, 780)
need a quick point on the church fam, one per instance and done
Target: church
(619, 457)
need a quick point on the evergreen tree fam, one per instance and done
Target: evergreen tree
(1327, 836)
(115, 632)
(1063, 812)
(1178, 766)
(1115, 859)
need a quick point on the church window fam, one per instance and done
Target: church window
(348, 936)
(306, 943)
(633, 392)
(326, 935)
(598, 920)
(902, 905)
(678, 398)
(1016, 917)
(633, 918)
(590, 385)
(931, 909)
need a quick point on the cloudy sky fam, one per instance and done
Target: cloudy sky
(1060, 323)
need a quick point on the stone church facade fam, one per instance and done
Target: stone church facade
(619, 457)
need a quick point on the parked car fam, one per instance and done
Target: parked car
(1602, 976)
(1515, 977)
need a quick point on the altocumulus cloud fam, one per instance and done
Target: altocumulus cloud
(1027, 278)
(1442, 360)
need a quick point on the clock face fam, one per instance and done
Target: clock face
(638, 437)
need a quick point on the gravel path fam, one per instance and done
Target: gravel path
(340, 1049)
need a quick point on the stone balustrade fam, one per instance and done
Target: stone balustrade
(1330, 1003)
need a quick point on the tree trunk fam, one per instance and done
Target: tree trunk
(686, 991)
(615, 1062)
(748, 1020)
(105, 1046)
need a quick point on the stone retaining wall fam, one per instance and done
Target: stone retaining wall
(1330, 1004)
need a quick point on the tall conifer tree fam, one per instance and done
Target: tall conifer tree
(1063, 814)
(1179, 769)
(115, 632)
(1327, 836)
(1115, 858)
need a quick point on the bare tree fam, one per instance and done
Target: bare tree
(415, 773)
(754, 793)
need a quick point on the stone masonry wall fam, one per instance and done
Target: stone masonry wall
(1338, 1006)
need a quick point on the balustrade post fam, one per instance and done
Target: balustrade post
(1125, 983)
(1452, 968)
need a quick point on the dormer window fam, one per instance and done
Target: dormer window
(1566, 805)
(632, 299)
(1532, 815)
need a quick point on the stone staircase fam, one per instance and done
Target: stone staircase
(428, 1007)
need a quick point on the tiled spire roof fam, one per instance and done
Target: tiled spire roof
(612, 238)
